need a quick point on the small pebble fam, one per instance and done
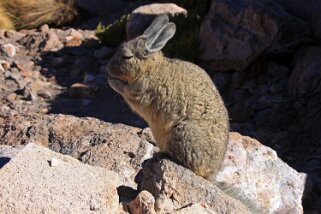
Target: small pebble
(10, 50)
(53, 162)
(94, 205)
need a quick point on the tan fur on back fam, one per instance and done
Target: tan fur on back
(182, 107)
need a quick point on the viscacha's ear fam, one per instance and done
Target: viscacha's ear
(157, 41)
(155, 36)
(159, 22)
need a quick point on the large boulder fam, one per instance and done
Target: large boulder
(236, 32)
(174, 187)
(251, 172)
(116, 147)
(38, 180)
(258, 176)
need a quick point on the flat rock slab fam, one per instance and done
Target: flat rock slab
(38, 180)
(142, 16)
(116, 147)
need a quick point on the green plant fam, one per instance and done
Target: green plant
(113, 34)
(184, 45)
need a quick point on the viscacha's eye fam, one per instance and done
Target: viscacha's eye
(127, 56)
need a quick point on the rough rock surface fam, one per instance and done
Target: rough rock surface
(231, 38)
(255, 172)
(30, 183)
(115, 147)
(7, 153)
(123, 149)
(175, 187)
(305, 88)
(251, 173)
(143, 204)
(308, 11)
(142, 16)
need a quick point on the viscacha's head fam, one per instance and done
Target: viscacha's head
(132, 57)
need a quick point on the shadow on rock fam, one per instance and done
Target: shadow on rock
(78, 69)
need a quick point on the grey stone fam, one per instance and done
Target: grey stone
(231, 39)
(30, 185)
(262, 178)
(103, 53)
(174, 187)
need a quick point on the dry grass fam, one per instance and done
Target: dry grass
(34, 13)
(5, 21)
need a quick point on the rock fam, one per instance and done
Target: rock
(86, 64)
(307, 12)
(30, 185)
(33, 42)
(143, 204)
(115, 147)
(52, 42)
(73, 41)
(75, 34)
(142, 16)
(261, 177)
(304, 87)
(103, 52)
(240, 113)
(44, 28)
(174, 187)
(272, 100)
(13, 35)
(231, 39)
(10, 50)
(7, 153)
(277, 71)
(147, 135)
(57, 62)
(279, 86)
(306, 73)
(24, 65)
(44, 94)
(239, 95)
(220, 79)
(4, 65)
(30, 91)
(81, 90)
(263, 116)
(11, 97)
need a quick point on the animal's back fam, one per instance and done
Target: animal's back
(186, 114)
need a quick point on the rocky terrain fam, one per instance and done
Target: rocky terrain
(267, 69)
